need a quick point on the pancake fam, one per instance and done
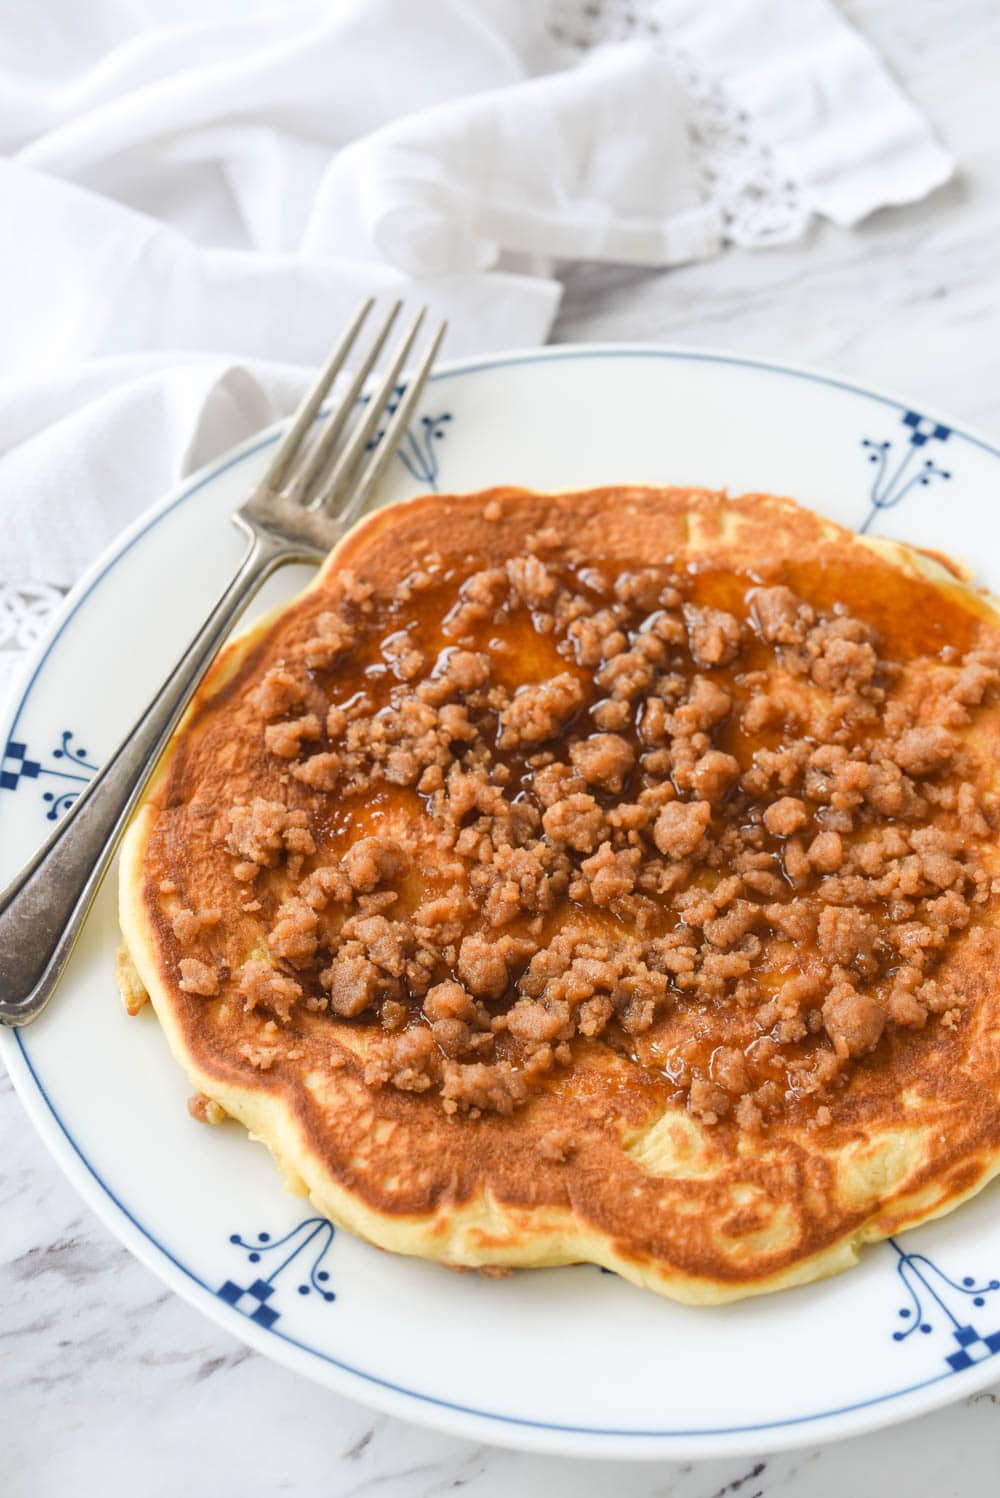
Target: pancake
(606, 876)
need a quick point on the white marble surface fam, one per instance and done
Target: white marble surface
(105, 1377)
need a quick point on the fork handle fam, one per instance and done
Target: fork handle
(44, 908)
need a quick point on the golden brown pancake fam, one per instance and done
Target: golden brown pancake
(604, 876)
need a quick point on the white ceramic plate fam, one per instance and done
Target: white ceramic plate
(569, 1360)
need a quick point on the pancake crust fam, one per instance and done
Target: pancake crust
(701, 1211)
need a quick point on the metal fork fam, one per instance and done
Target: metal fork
(316, 486)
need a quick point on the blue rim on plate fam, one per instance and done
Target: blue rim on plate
(144, 1242)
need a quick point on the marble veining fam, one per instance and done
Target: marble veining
(104, 1375)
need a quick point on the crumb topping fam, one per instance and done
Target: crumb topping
(725, 829)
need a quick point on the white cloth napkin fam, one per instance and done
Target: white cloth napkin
(194, 196)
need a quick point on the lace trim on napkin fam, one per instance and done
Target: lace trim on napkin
(758, 205)
(812, 124)
(25, 613)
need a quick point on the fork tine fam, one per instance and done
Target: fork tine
(393, 434)
(306, 414)
(319, 457)
(363, 431)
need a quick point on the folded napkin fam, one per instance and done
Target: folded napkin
(196, 196)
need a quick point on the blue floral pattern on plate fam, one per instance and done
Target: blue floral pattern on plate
(934, 1294)
(256, 1300)
(897, 473)
(73, 767)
